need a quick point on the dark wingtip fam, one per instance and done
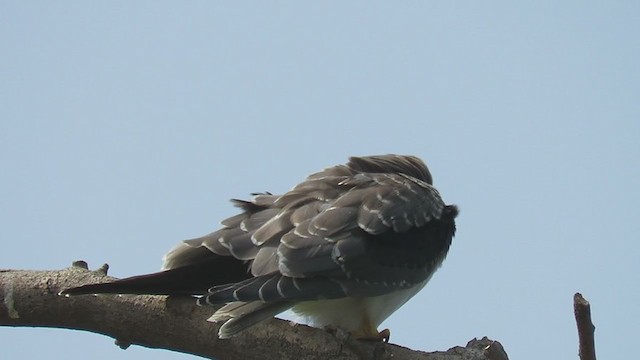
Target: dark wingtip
(88, 290)
(193, 279)
(71, 292)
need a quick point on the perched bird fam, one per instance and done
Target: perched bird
(344, 249)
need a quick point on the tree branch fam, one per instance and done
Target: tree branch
(29, 298)
(586, 329)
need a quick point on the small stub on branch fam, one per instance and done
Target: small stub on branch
(586, 329)
(122, 344)
(495, 351)
(80, 264)
(103, 269)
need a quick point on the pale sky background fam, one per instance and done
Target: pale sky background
(126, 126)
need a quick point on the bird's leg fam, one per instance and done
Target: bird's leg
(368, 332)
(382, 336)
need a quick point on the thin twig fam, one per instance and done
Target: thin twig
(586, 329)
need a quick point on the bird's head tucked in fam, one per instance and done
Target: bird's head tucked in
(345, 248)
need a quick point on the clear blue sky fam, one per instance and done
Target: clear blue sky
(126, 126)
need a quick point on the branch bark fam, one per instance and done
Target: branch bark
(586, 329)
(29, 298)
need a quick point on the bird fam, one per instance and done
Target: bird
(343, 249)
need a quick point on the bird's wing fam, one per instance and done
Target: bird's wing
(342, 232)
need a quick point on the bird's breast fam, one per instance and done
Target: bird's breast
(351, 313)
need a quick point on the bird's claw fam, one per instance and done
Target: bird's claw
(382, 336)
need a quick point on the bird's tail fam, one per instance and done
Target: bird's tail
(238, 316)
(192, 279)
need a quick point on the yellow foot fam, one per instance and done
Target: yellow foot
(383, 335)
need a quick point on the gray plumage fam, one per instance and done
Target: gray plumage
(325, 238)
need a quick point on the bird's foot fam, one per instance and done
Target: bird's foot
(382, 336)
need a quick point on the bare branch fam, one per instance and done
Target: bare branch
(29, 298)
(586, 329)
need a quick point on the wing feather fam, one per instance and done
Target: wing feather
(265, 262)
(333, 220)
(274, 228)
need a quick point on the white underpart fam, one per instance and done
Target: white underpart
(350, 313)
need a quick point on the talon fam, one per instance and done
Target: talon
(382, 336)
(385, 335)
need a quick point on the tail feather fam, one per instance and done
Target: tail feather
(244, 315)
(193, 279)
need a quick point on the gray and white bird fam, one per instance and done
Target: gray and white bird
(344, 249)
